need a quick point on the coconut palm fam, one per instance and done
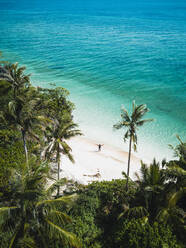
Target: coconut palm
(22, 115)
(18, 79)
(131, 123)
(173, 214)
(180, 153)
(157, 193)
(175, 172)
(63, 130)
(152, 190)
(29, 215)
(174, 211)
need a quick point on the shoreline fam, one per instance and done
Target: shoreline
(93, 165)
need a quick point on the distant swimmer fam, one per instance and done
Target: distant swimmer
(99, 147)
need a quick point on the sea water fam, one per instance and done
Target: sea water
(107, 54)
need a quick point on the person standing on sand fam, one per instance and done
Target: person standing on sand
(99, 147)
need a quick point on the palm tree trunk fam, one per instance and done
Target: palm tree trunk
(128, 169)
(25, 147)
(58, 169)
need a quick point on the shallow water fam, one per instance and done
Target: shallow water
(106, 54)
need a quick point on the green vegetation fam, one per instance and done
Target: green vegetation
(35, 211)
(31, 119)
(131, 123)
(30, 216)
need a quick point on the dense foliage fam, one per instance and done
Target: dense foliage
(148, 215)
(30, 211)
(35, 125)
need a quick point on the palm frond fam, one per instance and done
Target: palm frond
(64, 235)
(142, 122)
(175, 197)
(58, 217)
(125, 115)
(178, 137)
(135, 212)
(118, 125)
(12, 108)
(126, 136)
(54, 186)
(11, 245)
(7, 209)
(62, 200)
(27, 242)
(66, 150)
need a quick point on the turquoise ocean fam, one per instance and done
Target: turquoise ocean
(106, 53)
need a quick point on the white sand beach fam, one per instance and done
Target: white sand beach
(93, 165)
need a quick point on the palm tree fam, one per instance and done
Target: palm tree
(175, 171)
(131, 123)
(157, 193)
(21, 111)
(172, 204)
(180, 153)
(18, 79)
(151, 187)
(29, 215)
(174, 211)
(22, 115)
(63, 130)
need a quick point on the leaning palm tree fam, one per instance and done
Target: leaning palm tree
(63, 130)
(131, 123)
(29, 214)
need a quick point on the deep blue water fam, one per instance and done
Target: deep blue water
(107, 53)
